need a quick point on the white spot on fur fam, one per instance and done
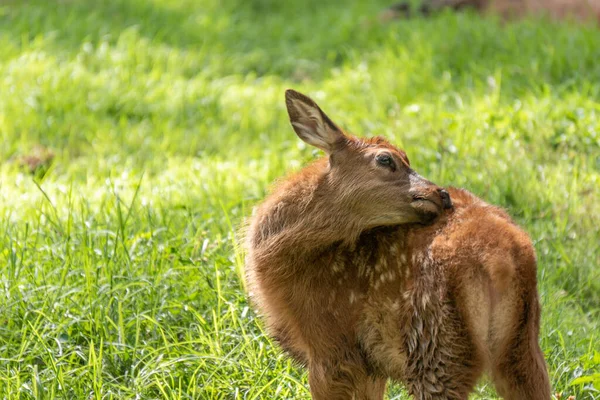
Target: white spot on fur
(352, 297)
(424, 300)
(403, 258)
(383, 262)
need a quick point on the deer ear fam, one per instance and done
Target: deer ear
(311, 124)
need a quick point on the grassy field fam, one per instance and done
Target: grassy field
(136, 135)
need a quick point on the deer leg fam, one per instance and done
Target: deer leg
(428, 386)
(341, 381)
(518, 367)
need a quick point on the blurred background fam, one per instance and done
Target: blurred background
(138, 134)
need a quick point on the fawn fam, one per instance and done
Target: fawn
(364, 271)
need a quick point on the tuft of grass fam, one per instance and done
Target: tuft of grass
(153, 127)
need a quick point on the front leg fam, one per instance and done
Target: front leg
(343, 380)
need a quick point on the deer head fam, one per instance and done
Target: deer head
(368, 178)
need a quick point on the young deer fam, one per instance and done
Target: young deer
(365, 271)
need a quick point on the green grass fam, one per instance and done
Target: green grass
(119, 276)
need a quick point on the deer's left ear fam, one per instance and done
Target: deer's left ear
(311, 124)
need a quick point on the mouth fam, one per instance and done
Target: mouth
(425, 203)
(427, 209)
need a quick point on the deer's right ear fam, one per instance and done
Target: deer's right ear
(311, 124)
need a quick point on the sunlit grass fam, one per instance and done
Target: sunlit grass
(137, 135)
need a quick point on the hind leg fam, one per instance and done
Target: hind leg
(520, 372)
(518, 366)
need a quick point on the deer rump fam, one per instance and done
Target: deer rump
(365, 271)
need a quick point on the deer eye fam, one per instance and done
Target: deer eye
(386, 160)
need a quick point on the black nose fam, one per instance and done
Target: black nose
(446, 202)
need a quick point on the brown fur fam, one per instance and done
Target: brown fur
(361, 286)
(582, 10)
